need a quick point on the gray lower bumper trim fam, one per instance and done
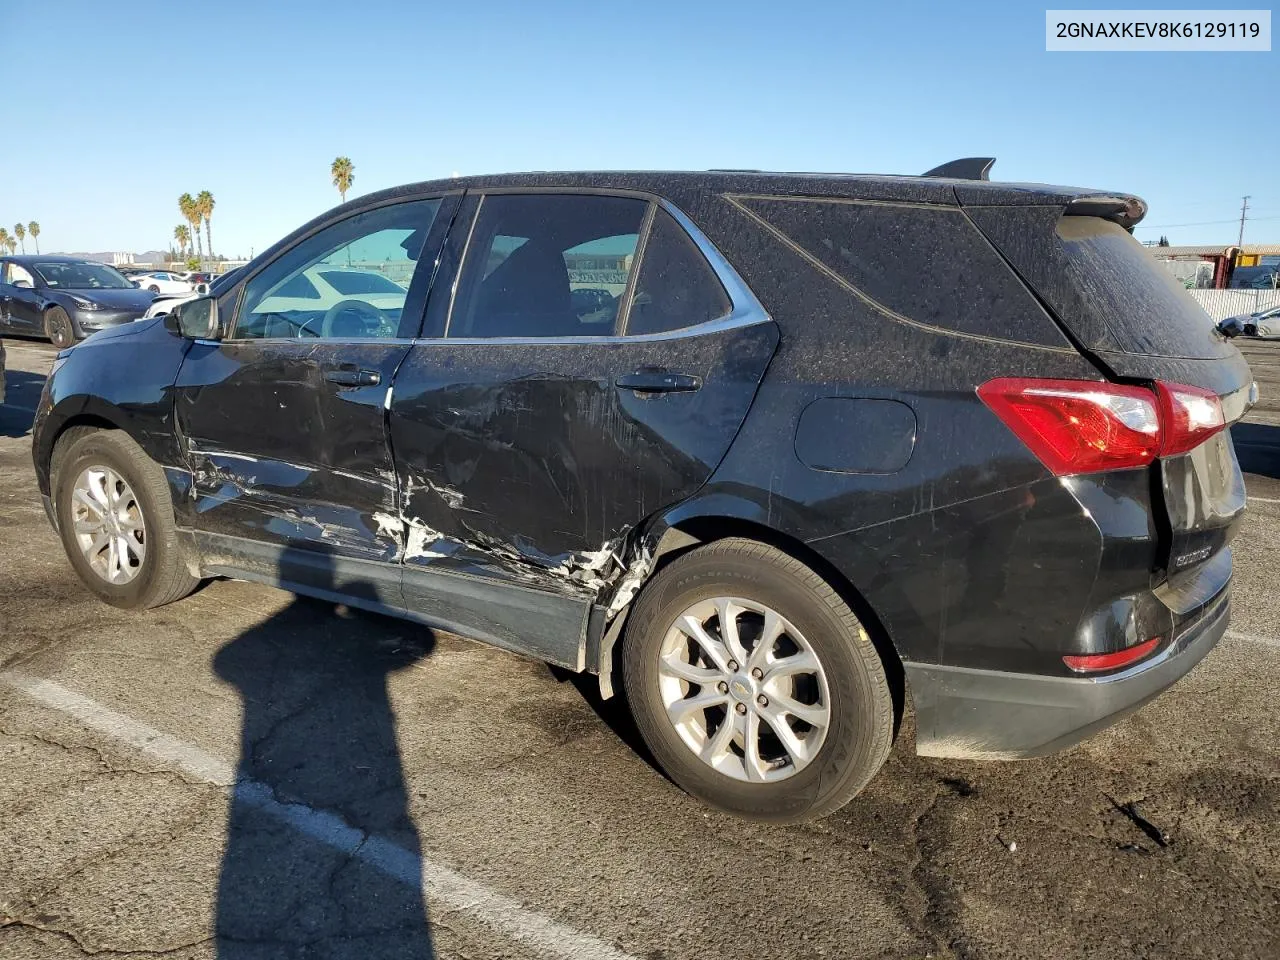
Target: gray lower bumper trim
(989, 714)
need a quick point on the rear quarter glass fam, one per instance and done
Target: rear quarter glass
(927, 264)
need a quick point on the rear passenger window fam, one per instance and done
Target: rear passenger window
(676, 286)
(547, 265)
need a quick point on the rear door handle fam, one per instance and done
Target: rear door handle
(349, 375)
(659, 381)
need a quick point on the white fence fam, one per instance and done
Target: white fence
(1220, 304)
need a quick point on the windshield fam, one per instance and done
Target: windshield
(82, 276)
(348, 282)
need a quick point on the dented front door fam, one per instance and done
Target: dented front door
(283, 421)
(587, 367)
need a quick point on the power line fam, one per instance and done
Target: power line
(1200, 223)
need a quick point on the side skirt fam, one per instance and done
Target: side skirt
(537, 624)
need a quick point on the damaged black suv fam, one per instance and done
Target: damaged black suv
(770, 452)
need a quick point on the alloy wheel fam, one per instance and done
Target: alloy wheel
(744, 690)
(108, 524)
(59, 329)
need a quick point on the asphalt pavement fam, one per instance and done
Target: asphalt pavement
(247, 774)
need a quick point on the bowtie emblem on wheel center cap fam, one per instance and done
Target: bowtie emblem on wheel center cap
(740, 689)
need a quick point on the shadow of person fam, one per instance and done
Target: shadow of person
(321, 855)
(1258, 448)
(21, 394)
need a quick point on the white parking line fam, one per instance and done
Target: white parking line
(446, 886)
(1263, 500)
(1253, 638)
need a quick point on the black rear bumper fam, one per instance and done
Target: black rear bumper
(989, 714)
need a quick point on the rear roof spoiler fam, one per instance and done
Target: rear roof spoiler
(966, 168)
(1126, 211)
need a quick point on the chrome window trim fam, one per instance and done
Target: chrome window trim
(746, 310)
(314, 341)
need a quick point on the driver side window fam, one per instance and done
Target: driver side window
(349, 281)
(13, 272)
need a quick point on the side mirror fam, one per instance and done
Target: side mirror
(136, 284)
(196, 319)
(22, 284)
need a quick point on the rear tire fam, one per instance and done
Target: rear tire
(58, 328)
(115, 518)
(821, 663)
(153, 288)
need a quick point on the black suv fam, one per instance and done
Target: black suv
(844, 439)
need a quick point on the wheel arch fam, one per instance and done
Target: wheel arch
(83, 412)
(696, 523)
(51, 304)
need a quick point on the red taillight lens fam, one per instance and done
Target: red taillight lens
(1078, 426)
(1083, 426)
(1188, 417)
(1093, 662)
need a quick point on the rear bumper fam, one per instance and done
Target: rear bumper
(994, 715)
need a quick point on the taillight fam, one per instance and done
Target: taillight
(1188, 417)
(1094, 662)
(1086, 426)
(1078, 426)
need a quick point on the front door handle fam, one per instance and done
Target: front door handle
(349, 375)
(659, 381)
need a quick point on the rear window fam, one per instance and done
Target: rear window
(1118, 280)
(927, 264)
(1103, 284)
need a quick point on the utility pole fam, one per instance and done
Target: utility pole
(1243, 207)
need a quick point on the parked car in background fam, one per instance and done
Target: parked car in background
(164, 304)
(786, 487)
(1262, 323)
(65, 299)
(162, 281)
(319, 287)
(1268, 323)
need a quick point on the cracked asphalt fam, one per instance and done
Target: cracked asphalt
(360, 744)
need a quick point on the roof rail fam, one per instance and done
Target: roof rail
(966, 168)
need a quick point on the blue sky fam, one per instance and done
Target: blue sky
(99, 144)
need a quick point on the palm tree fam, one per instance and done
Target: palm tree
(4, 237)
(187, 207)
(204, 204)
(20, 232)
(183, 236)
(344, 174)
(12, 245)
(33, 228)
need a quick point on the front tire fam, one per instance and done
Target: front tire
(754, 684)
(58, 328)
(115, 518)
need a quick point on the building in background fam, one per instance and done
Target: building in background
(1250, 267)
